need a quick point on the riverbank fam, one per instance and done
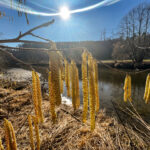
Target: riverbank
(126, 64)
(7, 63)
(69, 132)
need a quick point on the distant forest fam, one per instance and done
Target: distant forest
(101, 50)
(71, 50)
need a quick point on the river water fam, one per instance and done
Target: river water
(111, 89)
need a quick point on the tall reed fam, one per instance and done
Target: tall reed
(52, 98)
(34, 93)
(73, 84)
(67, 77)
(84, 86)
(1, 145)
(39, 97)
(61, 80)
(10, 137)
(77, 89)
(127, 88)
(31, 133)
(55, 65)
(36, 125)
(91, 91)
(147, 89)
(96, 85)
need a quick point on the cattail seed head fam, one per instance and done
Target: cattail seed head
(52, 98)
(77, 89)
(31, 133)
(34, 91)
(147, 89)
(55, 65)
(39, 97)
(127, 88)
(91, 91)
(84, 86)
(73, 84)
(67, 77)
(10, 136)
(96, 85)
(36, 125)
(1, 145)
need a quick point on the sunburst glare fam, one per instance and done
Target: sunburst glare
(64, 12)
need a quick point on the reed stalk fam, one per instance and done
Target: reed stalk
(147, 89)
(1, 145)
(73, 84)
(67, 77)
(52, 98)
(96, 85)
(10, 136)
(77, 89)
(31, 133)
(84, 86)
(34, 94)
(91, 91)
(55, 65)
(36, 125)
(127, 88)
(39, 97)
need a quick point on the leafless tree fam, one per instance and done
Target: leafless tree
(134, 30)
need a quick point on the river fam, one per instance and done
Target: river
(110, 89)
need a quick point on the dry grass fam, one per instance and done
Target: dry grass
(67, 133)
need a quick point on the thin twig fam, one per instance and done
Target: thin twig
(16, 59)
(23, 123)
(132, 144)
(71, 115)
(30, 49)
(17, 39)
(121, 71)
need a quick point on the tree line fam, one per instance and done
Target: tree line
(134, 33)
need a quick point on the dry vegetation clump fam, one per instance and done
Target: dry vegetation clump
(69, 132)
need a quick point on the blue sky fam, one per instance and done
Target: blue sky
(79, 27)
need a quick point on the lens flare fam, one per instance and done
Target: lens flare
(64, 12)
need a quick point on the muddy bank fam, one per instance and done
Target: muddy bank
(126, 65)
(16, 78)
(17, 74)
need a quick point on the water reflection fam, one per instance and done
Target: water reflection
(111, 88)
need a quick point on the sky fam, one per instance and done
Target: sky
(81, 26)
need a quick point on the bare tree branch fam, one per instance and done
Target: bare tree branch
(29, 32)
(21, 41)
(31, 49)
(143, 48)
(18, 39)
(16, 59)
(40, 37)
(35, 28)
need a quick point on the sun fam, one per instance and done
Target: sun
(64, 13)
